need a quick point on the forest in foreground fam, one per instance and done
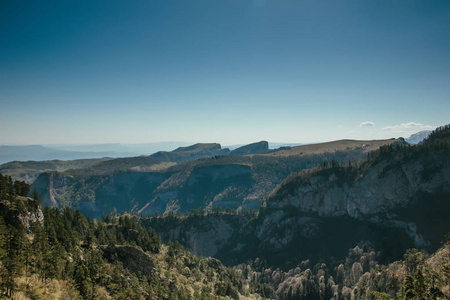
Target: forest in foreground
(47, 253)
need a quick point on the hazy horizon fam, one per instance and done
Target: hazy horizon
(232, 72)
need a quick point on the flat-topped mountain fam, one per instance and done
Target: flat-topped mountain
(255, 148)
(193, 152)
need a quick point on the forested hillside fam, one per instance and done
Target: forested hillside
(51, 254)
(46, 253)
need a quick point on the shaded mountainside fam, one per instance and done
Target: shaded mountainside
(151, 184)
(395, 200)
(398, 198)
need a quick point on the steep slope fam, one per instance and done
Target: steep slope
(396, 199)
(150, 184)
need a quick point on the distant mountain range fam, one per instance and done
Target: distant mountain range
(114, 150)
(72, 152)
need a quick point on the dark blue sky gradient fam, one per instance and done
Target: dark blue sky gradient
(225, 71)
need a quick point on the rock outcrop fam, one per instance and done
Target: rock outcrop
(381, 186)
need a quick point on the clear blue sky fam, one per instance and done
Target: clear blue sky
(222, 70)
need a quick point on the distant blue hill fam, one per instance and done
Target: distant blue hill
(38, 153)
(71, 152)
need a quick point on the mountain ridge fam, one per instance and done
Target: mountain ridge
(211, 180)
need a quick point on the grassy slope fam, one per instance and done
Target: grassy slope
(29, 170)
(340, 145)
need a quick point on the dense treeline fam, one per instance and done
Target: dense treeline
(9, 189)
(359, 276)
(48, 253)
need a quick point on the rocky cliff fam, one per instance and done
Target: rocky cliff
(148, 184)
(377, 187)
(396, 199)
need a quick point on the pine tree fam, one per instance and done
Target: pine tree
(82, 280)
(13, 259)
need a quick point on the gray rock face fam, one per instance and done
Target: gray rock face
(50, 185)
(31, 217)
(382, 187)
(386, 196)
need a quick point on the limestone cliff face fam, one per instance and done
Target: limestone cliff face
(52, 184)
(382, 186)
(148, 184)
(21, 217)
(395, 201)
(147, 192)
(31, 217)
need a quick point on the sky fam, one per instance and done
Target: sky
(227, 71)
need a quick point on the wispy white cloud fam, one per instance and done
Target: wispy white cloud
(367, 124)
(408, 127)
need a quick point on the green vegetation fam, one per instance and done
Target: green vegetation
(28, 171)
(56, 254)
